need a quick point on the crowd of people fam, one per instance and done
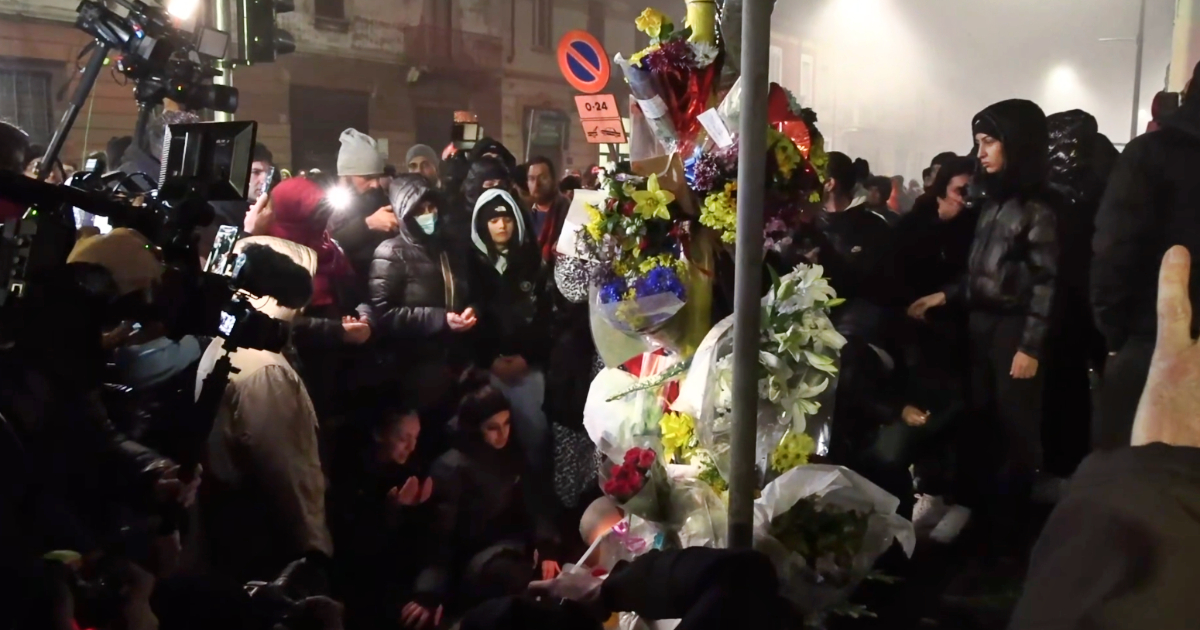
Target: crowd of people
(417, 450)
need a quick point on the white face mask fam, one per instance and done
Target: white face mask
(427, 223)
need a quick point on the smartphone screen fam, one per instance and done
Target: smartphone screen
(267, 179)
(221, 259)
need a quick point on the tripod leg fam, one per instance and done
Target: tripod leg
(90, 73)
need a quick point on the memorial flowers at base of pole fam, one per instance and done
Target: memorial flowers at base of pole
(639, 484)
(639, 238)
(798, 364)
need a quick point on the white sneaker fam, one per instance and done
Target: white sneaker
(928, 512)
(951, 525)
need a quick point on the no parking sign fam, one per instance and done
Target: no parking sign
(583, 62)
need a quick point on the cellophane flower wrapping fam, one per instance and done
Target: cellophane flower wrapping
(629, 421)
(652, 501)
(675, 77)
(823, 528)
(798, 364)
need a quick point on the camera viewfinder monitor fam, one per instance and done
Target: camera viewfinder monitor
(213, 155)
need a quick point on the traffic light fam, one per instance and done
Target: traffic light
(260, 39)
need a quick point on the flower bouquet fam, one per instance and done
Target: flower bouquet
(639, 485)
(824, 527)
(674, 78)
(639, 240)
(793, 180)
(798, 365)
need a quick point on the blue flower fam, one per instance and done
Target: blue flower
(661, 280)
(613, 291)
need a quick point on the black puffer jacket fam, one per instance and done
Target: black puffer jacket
(481, 498)
(415, 279)
(512, 318)
(1013, 264)
(1152, 203)
(859, 254)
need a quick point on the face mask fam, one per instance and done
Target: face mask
(427, 222)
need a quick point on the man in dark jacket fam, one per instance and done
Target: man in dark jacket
(1120, 550)
(419, 301)
(1008, 289)
(1080, 161)
(859, 239)
(367, 219)
(1152, 203)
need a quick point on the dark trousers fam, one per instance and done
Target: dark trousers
(1125, 376)
(1003, 443)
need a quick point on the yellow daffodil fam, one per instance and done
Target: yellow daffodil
(652, 21)
(720, 213)
(652, 203)
(594, 226)
(678, 431)
(793, 451)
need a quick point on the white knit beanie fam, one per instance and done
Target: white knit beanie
(359, 155)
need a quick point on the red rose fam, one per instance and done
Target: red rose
(646, 459)
(629, 208)
(632, 455)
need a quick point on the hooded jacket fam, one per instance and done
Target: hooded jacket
(1013, 263)
(507, 288)
(416, 278)
(1152, 202)
(482, 498)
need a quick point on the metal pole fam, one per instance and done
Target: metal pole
(90, 74)
(752, 158)
(1137, 73)
(226, 78)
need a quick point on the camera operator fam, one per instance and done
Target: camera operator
(14, 143)
(84, 479)
(264, 504)
(144, 155)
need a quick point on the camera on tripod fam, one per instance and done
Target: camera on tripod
(165, 61)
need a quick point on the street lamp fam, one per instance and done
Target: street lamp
(1140, 40)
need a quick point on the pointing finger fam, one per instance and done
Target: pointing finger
(1174, 305)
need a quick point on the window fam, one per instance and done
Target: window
(543, 24)
(25, 102)
(775, 68)
(314, 132)
(807, 81)
(330, 9)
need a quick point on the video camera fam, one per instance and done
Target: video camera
(165, 61)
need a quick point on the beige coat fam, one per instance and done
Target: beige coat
(265, 437)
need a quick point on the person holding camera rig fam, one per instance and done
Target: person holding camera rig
(52, 381)
(266, 504)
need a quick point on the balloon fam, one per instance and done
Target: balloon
(798, 132)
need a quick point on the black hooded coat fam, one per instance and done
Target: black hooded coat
(513, 320)
(1013, 263)
(484, 504)
(1152, 203)
(415, 280)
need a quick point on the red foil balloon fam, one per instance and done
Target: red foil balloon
(798, 132)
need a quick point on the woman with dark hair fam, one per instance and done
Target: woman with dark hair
(379, 514)
(513, 340)
(488, 524)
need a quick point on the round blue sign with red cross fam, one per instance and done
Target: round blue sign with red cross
(583, 62)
